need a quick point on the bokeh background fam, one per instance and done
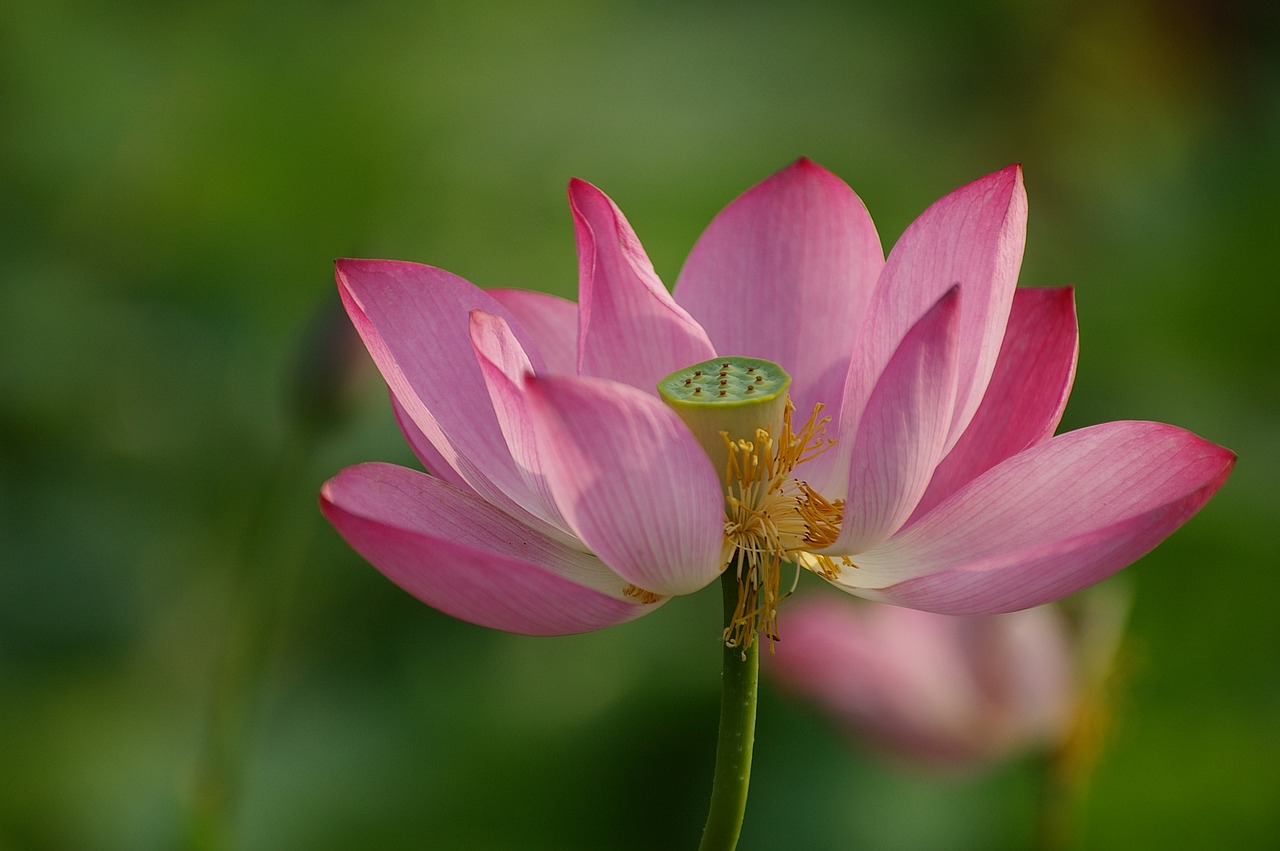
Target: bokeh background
(190, 657)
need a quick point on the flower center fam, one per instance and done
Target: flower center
(739, 411)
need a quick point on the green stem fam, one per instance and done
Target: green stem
(737, 735)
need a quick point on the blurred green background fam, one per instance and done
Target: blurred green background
(190, 656)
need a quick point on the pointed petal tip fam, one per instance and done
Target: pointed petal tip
(805, 169)
(1012, 173)
(583, 196)
(630, 328)
(1225, 458)
(1003, 188)
(588, 204)
(326, 493)
(579, 190)
(1008, 179)
(496, 347)
(479, 319)
(329, 494)
(356, 264)
(349, 270)
(947, 306)
(1229, 459)
(342, 268)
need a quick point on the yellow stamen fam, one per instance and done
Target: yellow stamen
(772, 518)
(639, 594)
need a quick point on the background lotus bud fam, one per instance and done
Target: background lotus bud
(944, 691)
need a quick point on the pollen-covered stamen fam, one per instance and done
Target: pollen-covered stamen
(772, 518)
(640, 595)
(828, 567)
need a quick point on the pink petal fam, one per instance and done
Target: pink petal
(786, 272)
(414, 320)
(466, 558)
(1027, 394)
(901, 434)
(427, 453)
(505, 367)
(630, 329)
(551, 321)
(972, 237)
(630, 480)
(1062, 515)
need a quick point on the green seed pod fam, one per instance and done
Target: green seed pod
(731, 396)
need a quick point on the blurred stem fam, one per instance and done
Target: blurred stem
(259, 580)
(1099, 617)
(1058, 797)
(1065, 772)
(737, 735)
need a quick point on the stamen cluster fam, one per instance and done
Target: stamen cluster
(772, 518)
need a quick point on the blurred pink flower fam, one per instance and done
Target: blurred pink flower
(942, 691)
(567, 497)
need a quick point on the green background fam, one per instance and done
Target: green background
(189, 655)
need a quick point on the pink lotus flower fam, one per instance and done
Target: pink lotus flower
(941, 691)
(568, 497)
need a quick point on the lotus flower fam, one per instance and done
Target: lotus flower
(940, 691)
(566, 494)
